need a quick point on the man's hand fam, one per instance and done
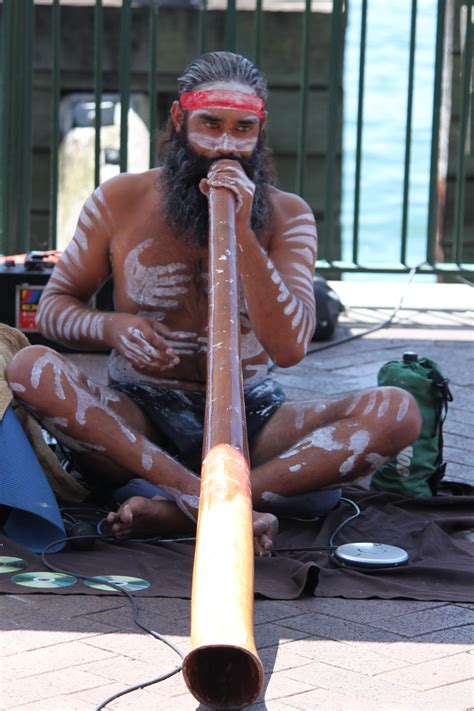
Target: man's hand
(142, 341)
(230, 174)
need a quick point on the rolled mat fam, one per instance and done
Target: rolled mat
(34, 520)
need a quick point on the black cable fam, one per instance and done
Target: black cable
(134, 605)
(331, 546)
(346, 521)
(135, 614)
(154, 539)
(378, 327)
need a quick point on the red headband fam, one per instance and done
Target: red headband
(219, 99)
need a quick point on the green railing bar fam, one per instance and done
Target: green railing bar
(98, 85)
(360, 112)
(258, 33)
(433, 189)
(332, 124)
(153, 53)
(230, 32)
(55, 96)
(17, 123)
(460, 157)
(406, 179)
(125, 35)
(301, 156)
(203, 26)
(3, 55)
(442, 268)
(26, 135)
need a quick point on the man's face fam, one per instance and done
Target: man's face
(221, 132)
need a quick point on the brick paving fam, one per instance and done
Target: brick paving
(69, 653)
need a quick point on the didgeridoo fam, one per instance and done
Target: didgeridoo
(223, 669)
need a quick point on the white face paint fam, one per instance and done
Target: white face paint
(295, 468)
(224, 142)
(357, 443)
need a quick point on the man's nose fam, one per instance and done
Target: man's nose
(226, 145)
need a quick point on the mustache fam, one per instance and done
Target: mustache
(186, 208)
(198, 166)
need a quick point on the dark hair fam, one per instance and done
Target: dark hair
(222, 66)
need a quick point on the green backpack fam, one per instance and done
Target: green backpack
(418, 469)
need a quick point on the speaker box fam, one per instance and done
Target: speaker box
(21, 286)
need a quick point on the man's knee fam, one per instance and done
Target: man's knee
(20, 371)
(405, 418)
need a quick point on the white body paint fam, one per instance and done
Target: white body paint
(153, 286)
(358, 442)
(375, 460)
(270, 498)
(403, 408)
(384, 405)
(17, 387)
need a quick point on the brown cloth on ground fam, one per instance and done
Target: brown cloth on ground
(63, 484)
(433, 531)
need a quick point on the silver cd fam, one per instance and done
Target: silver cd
(371, 554)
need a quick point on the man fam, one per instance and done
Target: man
(150, 232)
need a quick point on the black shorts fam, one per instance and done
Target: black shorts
(178, 415)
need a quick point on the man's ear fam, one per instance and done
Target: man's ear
(263, 124)
(177, 115)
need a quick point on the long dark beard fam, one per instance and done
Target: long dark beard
(186, 208)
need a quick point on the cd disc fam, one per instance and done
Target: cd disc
(11, 565)
(44, 580)
(99, 582)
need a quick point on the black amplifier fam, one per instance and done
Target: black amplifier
(21, 286)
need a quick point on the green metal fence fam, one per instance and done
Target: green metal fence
(17, 114)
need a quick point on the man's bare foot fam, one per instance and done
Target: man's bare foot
(140, 517)
(265, 527)
(145, 518)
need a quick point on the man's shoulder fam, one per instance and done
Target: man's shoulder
(288, 205)
(126, 188)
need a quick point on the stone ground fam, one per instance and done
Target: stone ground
(72, 652)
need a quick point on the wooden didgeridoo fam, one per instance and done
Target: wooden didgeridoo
(223, 669)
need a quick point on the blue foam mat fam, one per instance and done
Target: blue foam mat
(35, 520)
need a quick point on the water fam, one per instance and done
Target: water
(383, 142)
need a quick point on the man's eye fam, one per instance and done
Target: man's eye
(211, 124)
(243, 129)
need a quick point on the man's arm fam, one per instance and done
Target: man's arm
(278, 285)
(64, 314)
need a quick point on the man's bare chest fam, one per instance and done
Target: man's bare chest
(161, 278)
